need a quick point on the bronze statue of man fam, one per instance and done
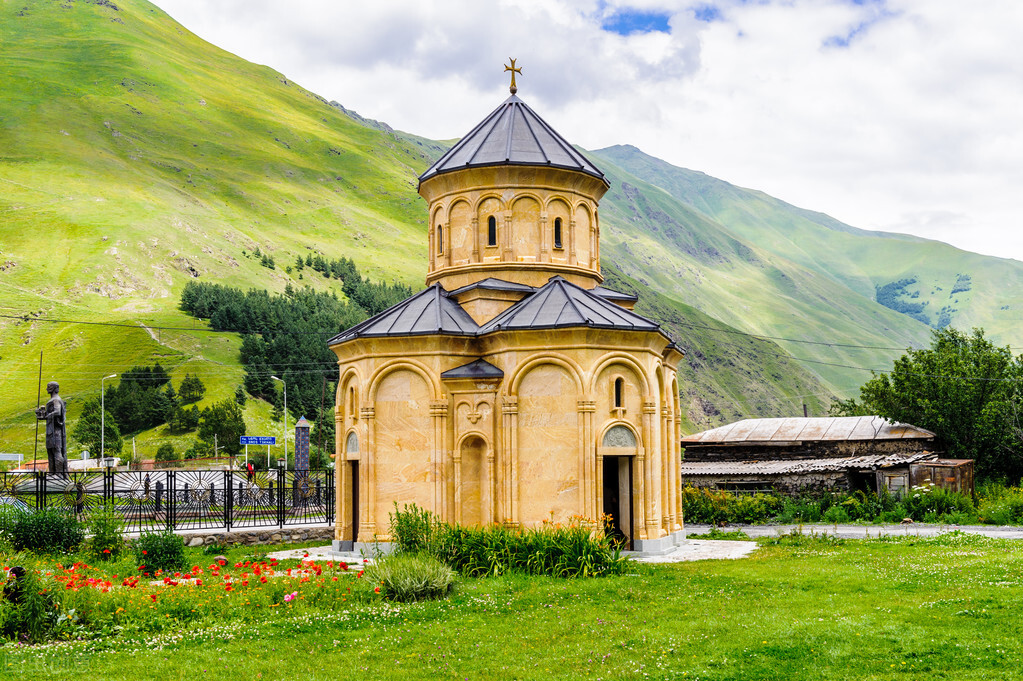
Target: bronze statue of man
(55, 413)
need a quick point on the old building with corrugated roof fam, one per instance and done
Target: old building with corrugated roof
(838, 453)
(514, 389)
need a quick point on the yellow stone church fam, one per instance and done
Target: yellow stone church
(515, 388)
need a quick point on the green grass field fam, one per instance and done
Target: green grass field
(805, 609)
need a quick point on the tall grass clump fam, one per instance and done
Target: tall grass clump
(160, 551)
(46, 531)
(575, 549)
(1000, 504)
(107, 529)
(407, 577)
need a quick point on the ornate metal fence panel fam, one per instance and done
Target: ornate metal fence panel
(141, 498)
(18, 490)
(307, 499)
(199, 499)
(256, 499)
(180, 499)
(78, 492)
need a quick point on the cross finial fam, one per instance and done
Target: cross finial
(513, 72)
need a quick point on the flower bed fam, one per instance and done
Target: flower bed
(65, 599)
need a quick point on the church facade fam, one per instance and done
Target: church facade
(514, 389)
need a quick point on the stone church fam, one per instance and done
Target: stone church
(515, 388)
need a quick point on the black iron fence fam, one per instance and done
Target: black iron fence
(181, 499)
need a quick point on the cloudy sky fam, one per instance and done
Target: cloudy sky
(899, 115)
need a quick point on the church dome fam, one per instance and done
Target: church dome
(513, 134)
(513, 201)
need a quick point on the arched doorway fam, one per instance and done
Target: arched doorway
(618, 450)
(470, 500)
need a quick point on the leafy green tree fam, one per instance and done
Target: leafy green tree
(192, 389)
(87, 429)
(239, 396)
(964, 389)
(224, 420)
(165, 452)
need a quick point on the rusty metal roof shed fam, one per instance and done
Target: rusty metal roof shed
(797, 429)
(800, 466)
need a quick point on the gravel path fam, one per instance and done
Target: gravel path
(864, 531)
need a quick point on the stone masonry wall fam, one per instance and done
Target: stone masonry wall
(266, 535)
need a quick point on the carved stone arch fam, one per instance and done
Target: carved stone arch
(573, 369)
(352, 438)
(615, 427)
(348, 375)
(483, 198)
(471, 434)
(620, 358)
(409, 364)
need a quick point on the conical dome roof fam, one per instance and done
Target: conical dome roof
(512, 135)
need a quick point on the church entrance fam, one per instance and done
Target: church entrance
(354, 502)
(618, 500)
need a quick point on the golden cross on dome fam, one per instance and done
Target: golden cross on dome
(513, 72)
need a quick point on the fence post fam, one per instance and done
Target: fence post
(228, 498)
(172, 500)
(108, 488)
(329, 482)
(280, 497)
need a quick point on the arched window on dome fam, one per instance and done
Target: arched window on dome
(491, 231)
(440, 240)
(557, 233)
(619, 392)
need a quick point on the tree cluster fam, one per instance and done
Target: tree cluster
(965, 389)
(285, 335)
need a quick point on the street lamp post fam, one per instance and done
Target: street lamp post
(103, 418)
(285, 418)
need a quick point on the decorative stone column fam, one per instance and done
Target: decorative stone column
(653, 486)
(438, 455)
(367, 478)
(475, 239)
(510, 424)
(588, 461)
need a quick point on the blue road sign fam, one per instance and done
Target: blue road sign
(257, 440)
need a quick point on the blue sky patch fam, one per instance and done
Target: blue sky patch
(627, 22)
(707, 13)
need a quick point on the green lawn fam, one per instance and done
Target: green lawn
(937, 608)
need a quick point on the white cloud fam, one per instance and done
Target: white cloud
(900, 115)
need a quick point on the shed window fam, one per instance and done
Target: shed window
(557, 233)
(491, 231)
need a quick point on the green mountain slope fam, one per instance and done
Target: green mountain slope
(936, 283)
(135, 157)
(680, 252)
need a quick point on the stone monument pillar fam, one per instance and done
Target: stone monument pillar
(302, 445)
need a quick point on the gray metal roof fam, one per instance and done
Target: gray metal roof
(613, 295)
(430, 311)
(560, 303)
(798, 466)
(557, 304)
(478, 369)
(513, 134)
(492, 284)
(798, 429)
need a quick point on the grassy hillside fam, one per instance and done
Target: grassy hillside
(135, 157)
(678, 251)
(937, 283)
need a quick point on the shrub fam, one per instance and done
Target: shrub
(412, 528)
(166, 452)
(702, 505)
(28, 610)
(572, 550)
(412, 577)
(928, 500)
(46, 531)
(160, 551)
(107, 528)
